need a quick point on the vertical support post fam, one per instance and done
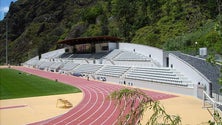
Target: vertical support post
(203, 99)
(210, 90)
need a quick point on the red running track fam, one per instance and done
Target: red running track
(95, 108)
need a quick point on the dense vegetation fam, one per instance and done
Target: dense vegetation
(36, 25)
(16, 84)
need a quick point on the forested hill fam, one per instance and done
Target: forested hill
(34, 26)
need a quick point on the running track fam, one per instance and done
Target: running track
(95, 108)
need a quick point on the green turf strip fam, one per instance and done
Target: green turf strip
(17, 84)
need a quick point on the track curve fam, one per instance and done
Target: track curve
(95, 108)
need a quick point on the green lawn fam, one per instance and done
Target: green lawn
(16, 84)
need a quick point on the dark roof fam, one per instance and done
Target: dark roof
(84, 40)
(210, 71)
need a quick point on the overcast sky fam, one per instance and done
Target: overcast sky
(4, 7)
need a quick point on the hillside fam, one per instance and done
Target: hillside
(34, 26)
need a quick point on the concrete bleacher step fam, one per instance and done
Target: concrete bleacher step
(113, 54)
(162, 75)
(69, 66)
(110, 70)
(130, 56)
(56, 65)
(87, 68)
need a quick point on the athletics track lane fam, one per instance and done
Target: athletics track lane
(95, 108)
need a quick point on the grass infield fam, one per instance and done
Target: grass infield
(17, 84)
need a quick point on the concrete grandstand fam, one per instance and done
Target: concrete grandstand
(107, 59)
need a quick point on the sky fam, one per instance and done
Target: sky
(4, 7)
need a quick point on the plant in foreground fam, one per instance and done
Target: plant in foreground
(133, 103)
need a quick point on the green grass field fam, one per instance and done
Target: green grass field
(16, 84)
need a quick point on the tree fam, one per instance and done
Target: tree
(133, 103)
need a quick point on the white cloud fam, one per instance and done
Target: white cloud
(4, 9)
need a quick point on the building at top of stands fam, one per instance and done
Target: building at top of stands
(90, 44)
(106, 58)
